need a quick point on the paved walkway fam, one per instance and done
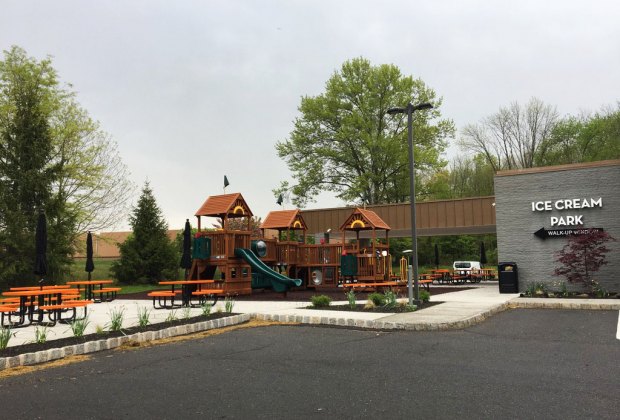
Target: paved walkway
(458, 310)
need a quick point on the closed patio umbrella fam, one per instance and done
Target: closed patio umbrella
(436, 256)
(483, 254)
(40, 240)
(90, 264)
(186, 258)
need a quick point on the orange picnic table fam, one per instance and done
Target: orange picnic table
(34, 304)
(90, 289)
(189, 288)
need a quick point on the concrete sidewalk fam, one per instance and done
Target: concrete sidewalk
(457, 310)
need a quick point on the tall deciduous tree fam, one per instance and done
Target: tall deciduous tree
(52, 156)
(514, 137)
(148, 255)
(344, 142)
(585, 138)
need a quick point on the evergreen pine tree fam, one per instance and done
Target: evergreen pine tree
(147, 256)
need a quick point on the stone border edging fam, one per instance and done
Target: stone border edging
(111, 343)
(378, 324)
(534, 303)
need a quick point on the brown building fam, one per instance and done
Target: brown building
(105, 244)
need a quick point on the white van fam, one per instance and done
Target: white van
(462, 267)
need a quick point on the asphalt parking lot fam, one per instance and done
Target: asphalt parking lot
(517, 364)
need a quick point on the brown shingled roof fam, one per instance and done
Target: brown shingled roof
(218, 205)
(284, 219)
(363, 219)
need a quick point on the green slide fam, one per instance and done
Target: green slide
(263, 276)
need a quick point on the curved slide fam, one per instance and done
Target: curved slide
(269, 277)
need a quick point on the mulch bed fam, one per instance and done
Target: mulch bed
(300, 295)
(70, 341)
(378, 309)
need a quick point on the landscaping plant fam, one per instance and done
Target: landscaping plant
(186, 312)
(206, 309)
(79, 326)
(229, 303)
(582, 256)
(172, 316)
(351, 298)
(425, 295)
(116, 319)
(40, 334)
(321, 301)
(5, 336)
(143, 316)
(378, 299)
(391, 301)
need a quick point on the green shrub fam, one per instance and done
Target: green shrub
(321, 301)
(391, 301)
(378, 299)
(425, 295)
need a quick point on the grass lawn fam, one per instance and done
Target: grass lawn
(102, 272)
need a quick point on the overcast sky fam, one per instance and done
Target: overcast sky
(195, 90)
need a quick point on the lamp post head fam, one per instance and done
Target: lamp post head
(409, 108)
(425, 105)
(396, 110)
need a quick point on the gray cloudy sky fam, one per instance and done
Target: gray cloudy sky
(195, 90)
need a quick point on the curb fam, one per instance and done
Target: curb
(111, 343)
(533, 303)
(378, 324)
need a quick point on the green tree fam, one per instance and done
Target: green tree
(27, 101)
(52, 157)
(148, 255)
(585, 138)
(345, 142)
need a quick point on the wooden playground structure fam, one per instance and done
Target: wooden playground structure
(245, 262)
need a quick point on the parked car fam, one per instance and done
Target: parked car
(463, 267)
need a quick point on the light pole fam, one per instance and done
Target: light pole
(409, 109)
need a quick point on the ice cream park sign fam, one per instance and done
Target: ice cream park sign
(574, 219)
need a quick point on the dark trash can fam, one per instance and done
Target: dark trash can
(508, 277)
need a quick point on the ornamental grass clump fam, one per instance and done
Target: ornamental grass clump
(186, 313)
(351, 298)
(40, 334)
(172, 315)
(116, 319)
(79, 326)
(5, 337)
(206, 309)
(229, 304)
(143, 316)
(320, 301)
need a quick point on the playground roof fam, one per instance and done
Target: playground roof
(362, 219)
(284, 219)
(230, 205)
